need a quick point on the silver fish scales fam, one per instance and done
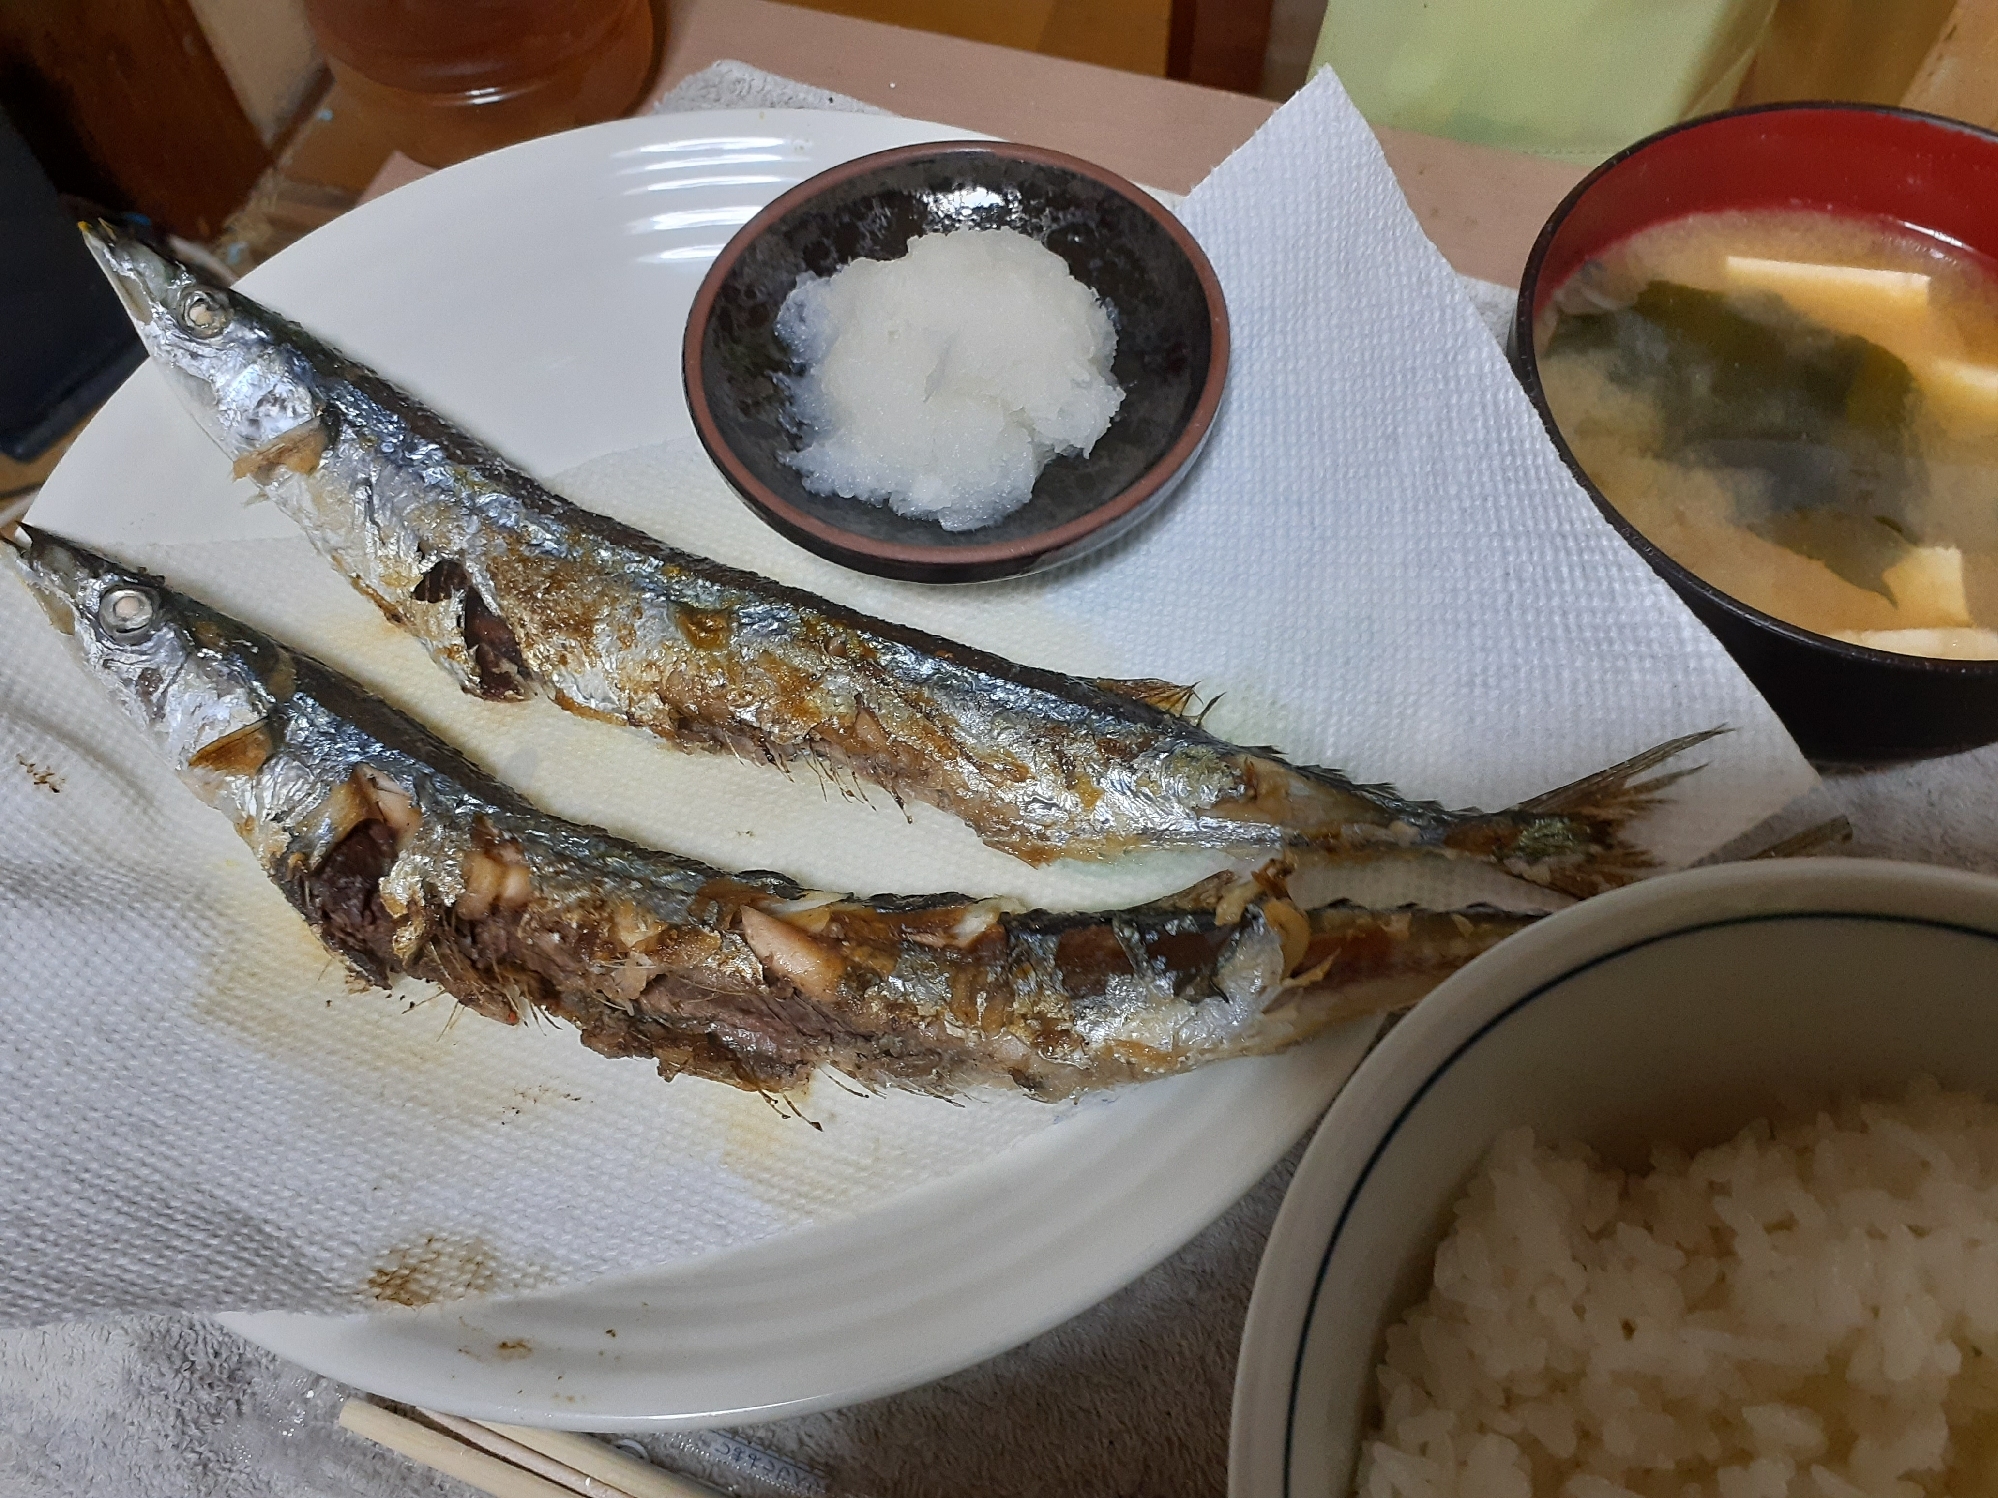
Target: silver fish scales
(513, 590)
(409, 861)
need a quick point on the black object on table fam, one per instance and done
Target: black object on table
(67, 342)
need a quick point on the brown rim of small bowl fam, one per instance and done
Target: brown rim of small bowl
(1526, 365)
(1131, 497)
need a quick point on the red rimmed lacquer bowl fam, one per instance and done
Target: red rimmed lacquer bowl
(1939, 177)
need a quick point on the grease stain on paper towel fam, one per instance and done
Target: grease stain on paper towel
(763, 1140)
(860, 1149)
(436, 1267)
(270, 983)
(43, 778)
(768, 1146)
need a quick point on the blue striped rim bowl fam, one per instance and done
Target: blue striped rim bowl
(1675, 1011)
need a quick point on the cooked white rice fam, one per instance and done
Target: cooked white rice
(943, 383)
(1808, 1312)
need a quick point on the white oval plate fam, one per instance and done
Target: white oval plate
(523, 292)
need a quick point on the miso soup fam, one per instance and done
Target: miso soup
(1800, 409)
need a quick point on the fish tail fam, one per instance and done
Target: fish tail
(1605, 787)
(1571, 838)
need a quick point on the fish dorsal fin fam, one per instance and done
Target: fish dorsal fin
(1166, 696)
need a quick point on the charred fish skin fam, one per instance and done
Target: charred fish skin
(513, 589)
(408, 860)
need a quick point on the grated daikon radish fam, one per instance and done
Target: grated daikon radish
(942, 383)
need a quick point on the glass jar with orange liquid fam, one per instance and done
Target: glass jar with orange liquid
(448, 79)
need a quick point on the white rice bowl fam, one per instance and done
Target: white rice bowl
(1808, 1311)
(1675, 1012)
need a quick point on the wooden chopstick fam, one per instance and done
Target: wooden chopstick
(515, 1461)
(605, 1463)
(452, 1457)
(505, 1447)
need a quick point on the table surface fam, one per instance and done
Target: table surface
(1481, 207)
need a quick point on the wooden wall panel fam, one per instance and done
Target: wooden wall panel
(122, 101)
(1862, 51)
(1128, 34)
(1219, 43)
(1959, 77)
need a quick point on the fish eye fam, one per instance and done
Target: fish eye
(127, 613)
(203, 313)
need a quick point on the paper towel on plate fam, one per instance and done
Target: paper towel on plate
(198, 1111)
(1380, 564)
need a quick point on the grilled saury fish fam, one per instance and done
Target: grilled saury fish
(513, 590)
(407, 860)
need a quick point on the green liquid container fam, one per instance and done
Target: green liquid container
(1574, 79)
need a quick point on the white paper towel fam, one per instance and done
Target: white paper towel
(1381, 564)
(197, 1111)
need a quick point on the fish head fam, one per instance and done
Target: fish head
(189, 677)
(243, 372)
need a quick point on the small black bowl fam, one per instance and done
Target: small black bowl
(1840, 701)
(1163, 299)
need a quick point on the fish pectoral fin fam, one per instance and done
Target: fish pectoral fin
(1166, 696)
(299, 449)
(238, 753)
